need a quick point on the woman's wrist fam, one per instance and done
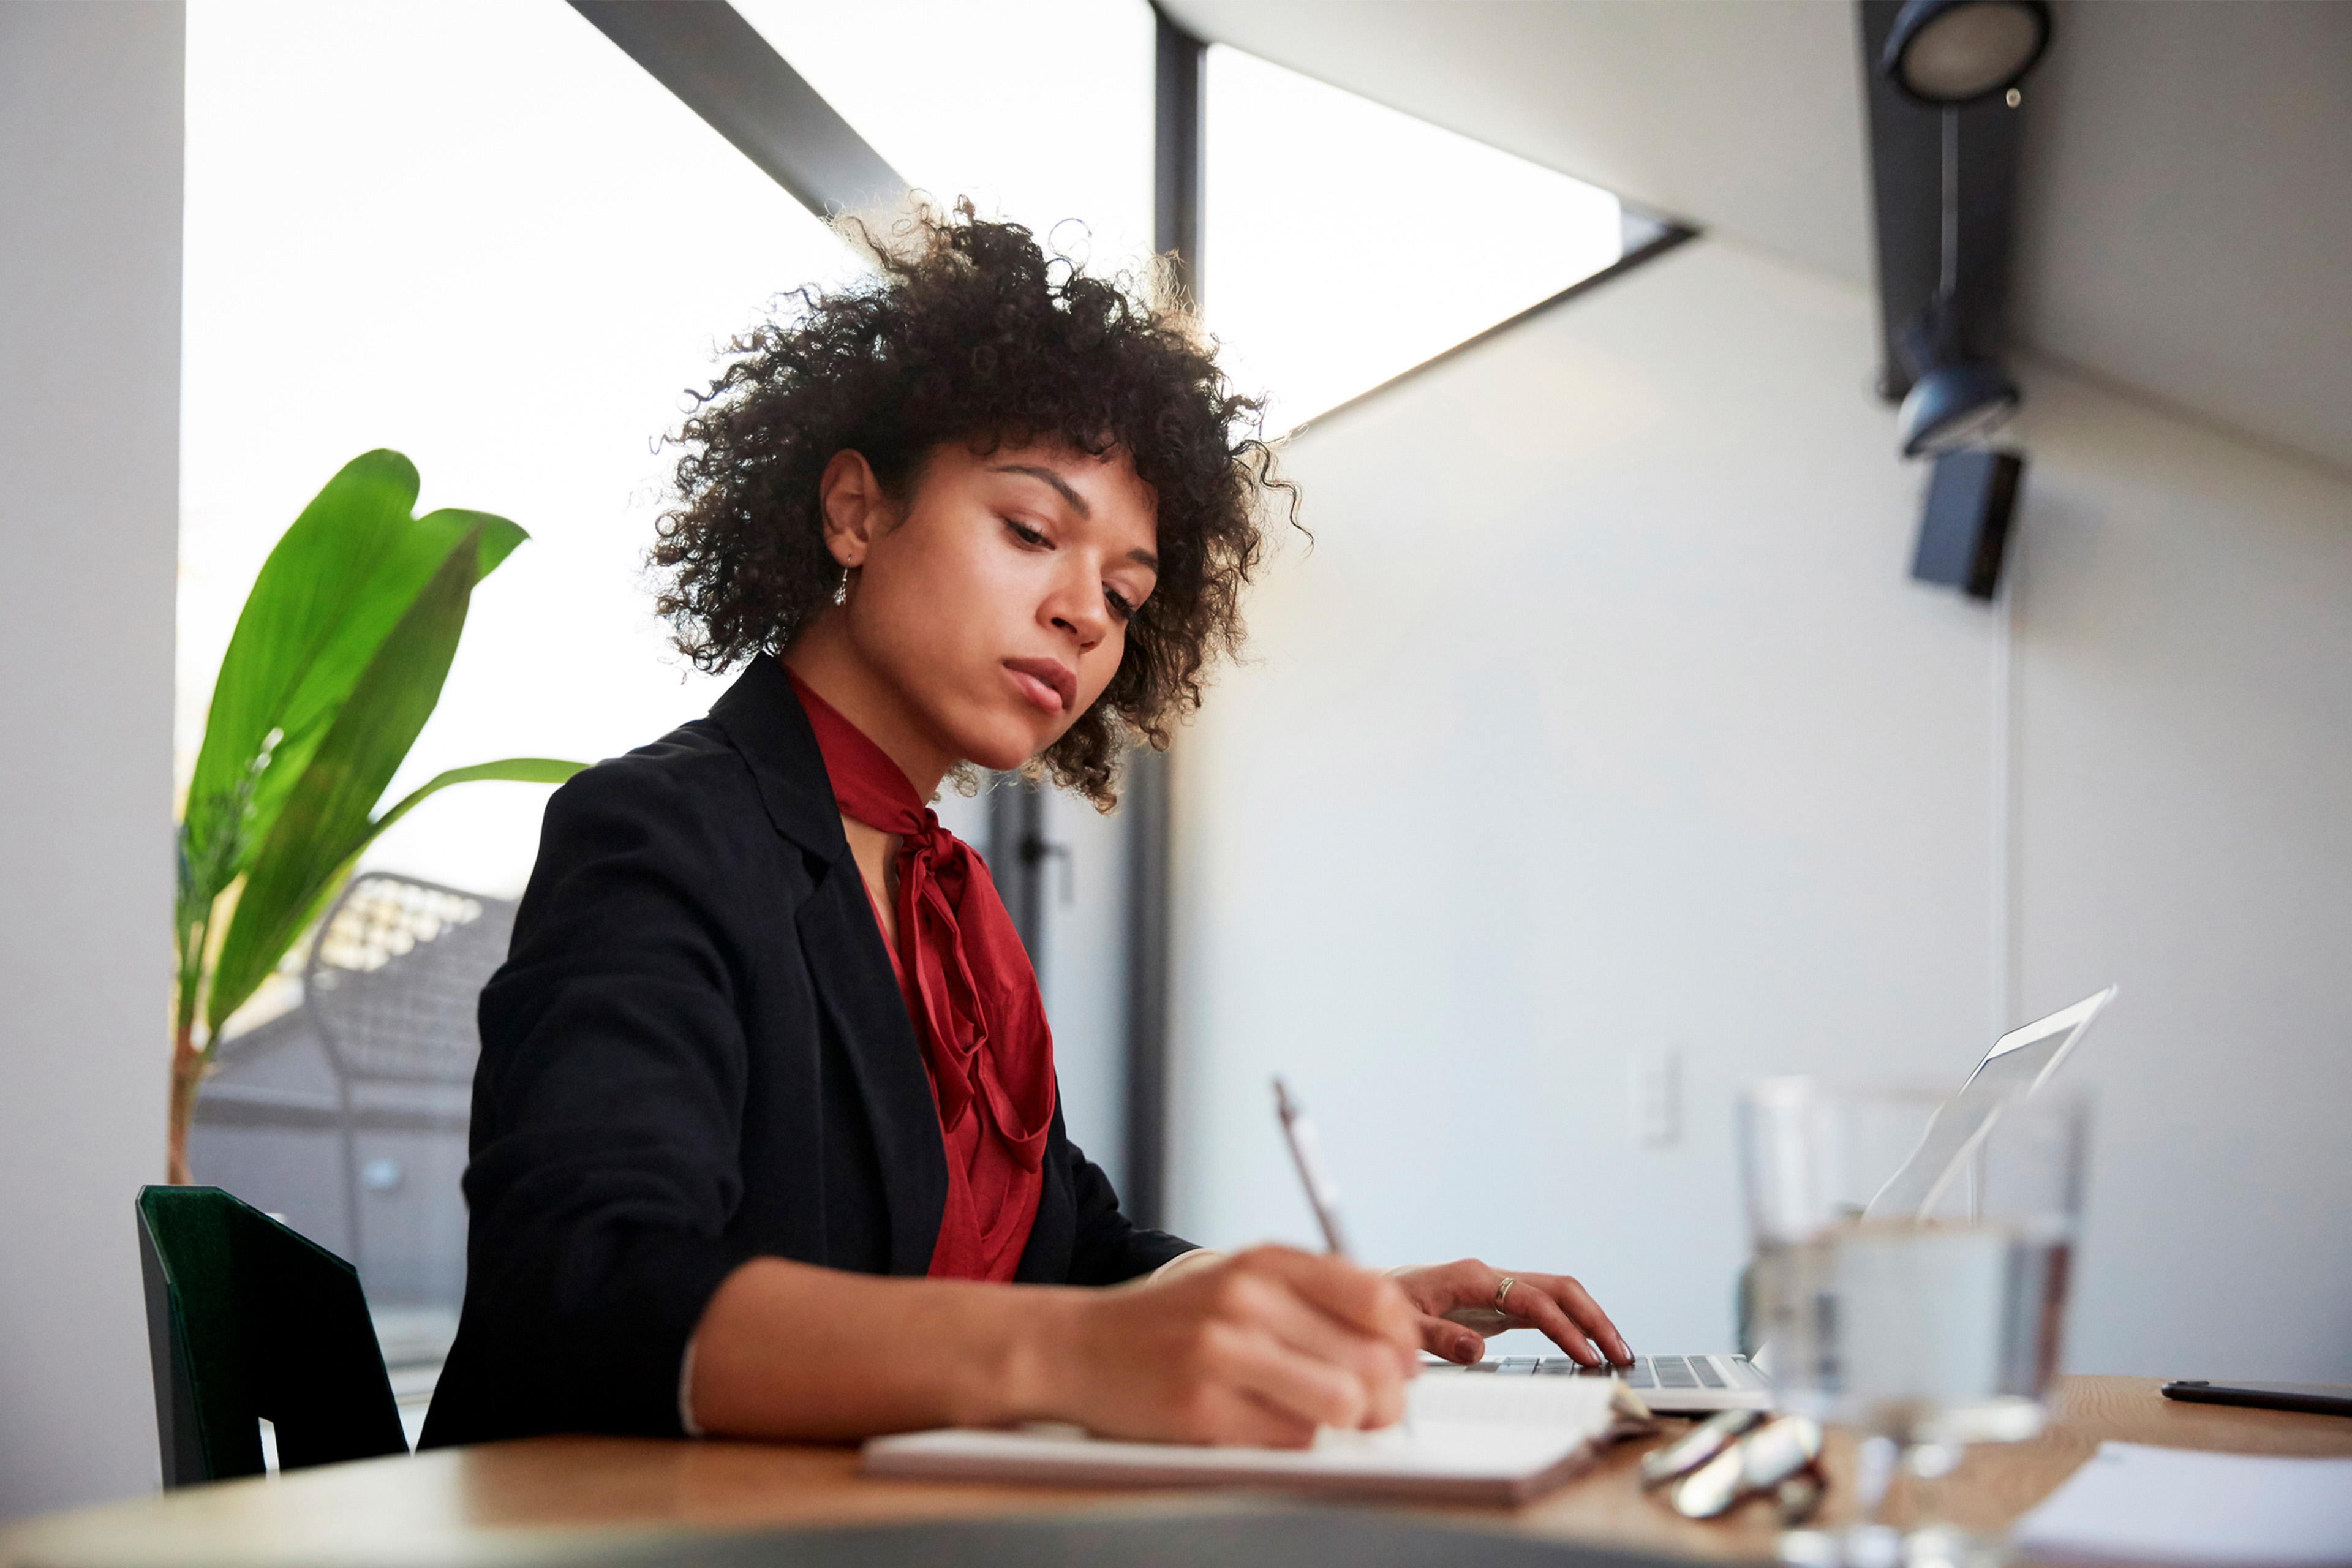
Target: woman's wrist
(1038, 1361)
(1023, 1373)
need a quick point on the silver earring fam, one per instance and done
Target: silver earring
(841, 589)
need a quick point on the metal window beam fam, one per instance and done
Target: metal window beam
(720, 67)
(1145, 804)
(1180, 69)
(1176, 183)
(1018, 850)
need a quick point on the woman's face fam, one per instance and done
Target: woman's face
(994, 609)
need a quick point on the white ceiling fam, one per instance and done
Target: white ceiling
(2185, 220)
(2186, 217)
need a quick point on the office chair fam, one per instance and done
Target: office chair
(248, 1321)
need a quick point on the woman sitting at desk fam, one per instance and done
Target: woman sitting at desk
(766, 1139)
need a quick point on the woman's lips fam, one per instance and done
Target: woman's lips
(1051, 685)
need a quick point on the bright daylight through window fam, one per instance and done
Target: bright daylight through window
(1345, 243)
(1039, 111)
(478, 234)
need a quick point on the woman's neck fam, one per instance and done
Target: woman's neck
(829, 664)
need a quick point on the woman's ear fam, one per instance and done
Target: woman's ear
(852, 501)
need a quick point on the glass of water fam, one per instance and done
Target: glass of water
(1912, 1255)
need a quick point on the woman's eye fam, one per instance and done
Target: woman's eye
(1026, 534)
(1118, 604)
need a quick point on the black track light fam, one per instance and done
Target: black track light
(1947, 53)
(1954, 405)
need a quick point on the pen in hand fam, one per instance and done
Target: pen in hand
(1321, 1195)
(1323, 1198)
(1299, 1133)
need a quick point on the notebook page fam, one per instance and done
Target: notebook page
(1586, 1406)
(1503, 1438)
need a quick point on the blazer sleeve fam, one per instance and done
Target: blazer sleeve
(608, 1115)
(1108, 1247)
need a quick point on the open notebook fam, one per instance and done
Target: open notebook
(1465, 1439)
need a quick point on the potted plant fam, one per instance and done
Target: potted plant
(337, 661)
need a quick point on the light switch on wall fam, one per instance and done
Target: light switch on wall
(1657, 1099)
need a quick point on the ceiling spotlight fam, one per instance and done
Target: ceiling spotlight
(1946, 52)
(1958, 402)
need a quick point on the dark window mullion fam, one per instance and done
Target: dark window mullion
(1179, 75)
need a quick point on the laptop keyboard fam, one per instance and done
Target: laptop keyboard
(1647, 1372)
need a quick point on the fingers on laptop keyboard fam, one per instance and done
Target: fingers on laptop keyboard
(1646, 1372)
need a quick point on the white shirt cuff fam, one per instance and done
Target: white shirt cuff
(1199, 1255)
(686, 1393)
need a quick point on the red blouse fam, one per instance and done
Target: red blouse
(973, 998)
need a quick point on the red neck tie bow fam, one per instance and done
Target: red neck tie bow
(970, 988)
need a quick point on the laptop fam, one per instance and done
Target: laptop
(1668, 1385)
(2019, 1062)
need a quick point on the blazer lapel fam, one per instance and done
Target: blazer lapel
(847, 964)
(762, 715)
(851, 971)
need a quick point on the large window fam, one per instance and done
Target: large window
(478, 233)
(1345, 243)
(481, 234)
(1040, 110)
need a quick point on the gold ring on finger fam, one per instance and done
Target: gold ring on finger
(1503, 1291)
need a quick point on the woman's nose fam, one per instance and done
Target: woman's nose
(1077, 607)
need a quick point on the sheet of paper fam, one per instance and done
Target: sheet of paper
(1585, 1405)
(1502, 1438)
(2181, 1505)
(1448, 1449)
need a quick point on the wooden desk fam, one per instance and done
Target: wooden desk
(562, 1498)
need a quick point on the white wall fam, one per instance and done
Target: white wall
(90, 366)
(1603, 719)
(2184, 720)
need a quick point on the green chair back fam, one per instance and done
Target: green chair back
(248, 1321)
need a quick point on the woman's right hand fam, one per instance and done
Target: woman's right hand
(1259, 1349)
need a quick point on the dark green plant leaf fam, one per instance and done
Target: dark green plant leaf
(512, 770)
(314, 706)
(332, 591)
(328, 810)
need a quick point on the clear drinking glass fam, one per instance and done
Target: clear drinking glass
(1922, 1312)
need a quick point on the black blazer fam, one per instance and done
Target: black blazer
(697, 1053)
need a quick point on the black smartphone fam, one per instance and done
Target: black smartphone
(2319, 1398)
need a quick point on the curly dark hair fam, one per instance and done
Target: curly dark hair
(972, 333)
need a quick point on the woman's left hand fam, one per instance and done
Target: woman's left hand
(1553, 1302)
